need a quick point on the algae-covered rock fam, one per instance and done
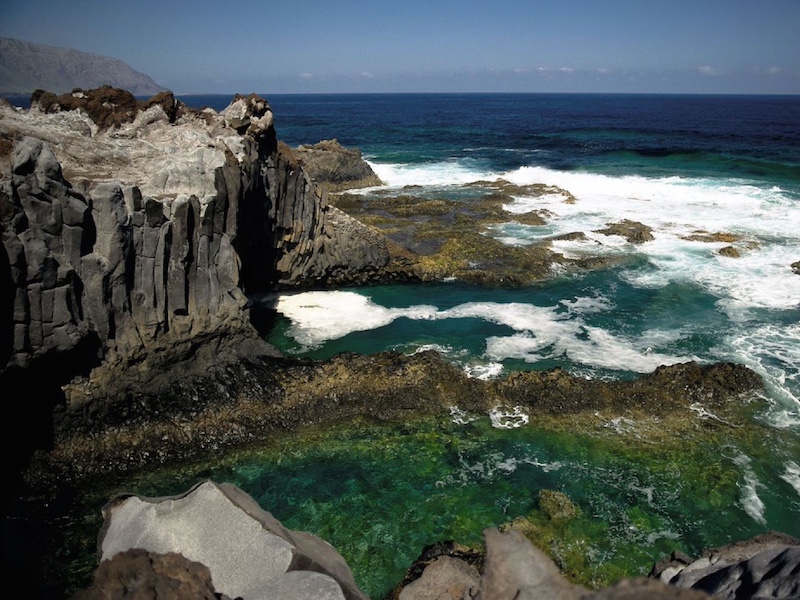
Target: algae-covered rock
(556, 505)
(633, 231)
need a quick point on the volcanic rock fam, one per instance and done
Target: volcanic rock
(339, 168)
(141, 575)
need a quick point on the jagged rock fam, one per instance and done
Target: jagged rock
(247, 550)
(515, 569)
(151, 253)
(457, 572)
(796, 267)
(141, 575)
(633, 231)
(337, 167)
(765, 566)
(445, 578)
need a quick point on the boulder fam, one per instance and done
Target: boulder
(515, 569)
(796, 267)
(141, 575)
(765, 566)
(335, 166)
(248, 552)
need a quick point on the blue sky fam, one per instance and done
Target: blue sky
(662, 46)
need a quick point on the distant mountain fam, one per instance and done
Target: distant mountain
(25, 66)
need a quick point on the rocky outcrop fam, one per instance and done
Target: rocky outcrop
(248, 552)
(766, 566)
(133, 235)
(796, 267)
(514, 568)
(337, 167)
(145, 226)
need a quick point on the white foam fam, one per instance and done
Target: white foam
(675, 208)
(504, 417)
(772, 351)
(485, 372)
(749, 500)
(461, 417)
(792, 475)
(321, 316)
(541, 332)
(437, 174)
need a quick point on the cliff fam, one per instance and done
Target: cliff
(134, 232)
(25, 67)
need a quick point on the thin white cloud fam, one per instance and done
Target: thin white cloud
(306, 76)
(706, 70)
(604, 71)
(773, 71)
(366, 75)
(567, 70)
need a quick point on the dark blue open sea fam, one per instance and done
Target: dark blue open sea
(685, 166)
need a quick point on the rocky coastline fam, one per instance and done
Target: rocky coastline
(138, 238)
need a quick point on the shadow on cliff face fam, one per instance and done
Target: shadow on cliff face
(30, 397)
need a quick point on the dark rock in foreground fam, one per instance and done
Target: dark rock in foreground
(141, 575)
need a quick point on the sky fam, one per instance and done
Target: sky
(334, 46)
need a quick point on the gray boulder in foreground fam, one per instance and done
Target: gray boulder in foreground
(246, 549)
(766, 566)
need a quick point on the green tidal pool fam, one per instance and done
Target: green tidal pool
(381, 492)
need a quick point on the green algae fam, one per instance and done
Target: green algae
(381, 492)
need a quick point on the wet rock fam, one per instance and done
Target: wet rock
(633, 231)
(247, 551)
(729, 252)
(556, 505)
(796, 267)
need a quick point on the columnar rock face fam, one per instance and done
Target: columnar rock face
(148, 235)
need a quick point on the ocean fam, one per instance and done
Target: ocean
(688, 167)
(693, 168)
